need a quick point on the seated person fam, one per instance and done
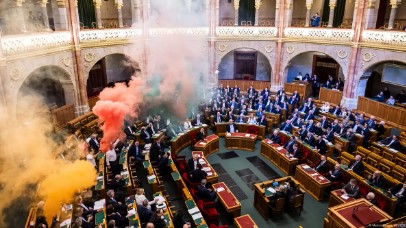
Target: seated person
(129, 132)
(119, 220)
(289, 144)
(292, 190)
(317, 129)
(303, 133)
(287, 126)
(322, 166)
(357, 166)
(320, 145)
(280, 193)
(145, 135)
(205, 193)
(310, 127)
(218, 118)
(275, 137)
(252, 119)
(329, 135)
(192, 163)
(310, 139)
(198, 121)
(351, 189)
(325, 108)
(163, 164)
(231, 127)
(118, 206)
(86, 221)
(380, 97)
(241, 119)
(135, 151)
(391, 142)
(335, 174)
(399, 191)
(376, 179)
(296, 152)
(371, 198)
(140, 198)
(197, 175)
(187, 124)
(119, 186)
(179, 221)
(158, 219)
(380, 128)
(200, 135)
(157, 151)
(262, 121)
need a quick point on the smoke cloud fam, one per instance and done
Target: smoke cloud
(31, 165)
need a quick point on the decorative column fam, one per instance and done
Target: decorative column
(355, 14)
(370, 15)
(19, 15)
(277, 13)
(257, 5)
(217, 10)
(119, 4)
(97, 5)
(309, 4)
(289, 5)
(135, 12)
(331, 15)
(394, 4)
(276, 79)
(43, 6)
(236, 7)
(3, 73)
(63, 20)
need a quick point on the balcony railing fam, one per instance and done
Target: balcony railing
(384, 37)
(17, 44)
(196, 31)
(109, 35)
(259, 32)
(321, 34)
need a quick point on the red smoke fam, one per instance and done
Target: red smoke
(114, 105)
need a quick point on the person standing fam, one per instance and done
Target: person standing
(315, 20)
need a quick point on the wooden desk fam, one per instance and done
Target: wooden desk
(312, 181)
(157, 136)
(209, 145)
(167, 212)
(278, 157)
(261, 201)
(245, 221)
(243, 141)
(336, 199)
(190, 204)
(340, 216)
(221, 129)
(227, 198)
(184, 139)
(212, 176)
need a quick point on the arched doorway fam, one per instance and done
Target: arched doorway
(51, 84)
(390, 74)
(109, 70)
(314, 63)
(245, 64)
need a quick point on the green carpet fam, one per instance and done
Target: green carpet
(313, 213)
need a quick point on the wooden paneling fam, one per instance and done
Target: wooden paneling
(303, 89)
(331, 96)
(392, 114)
(63, 115)
(244, 85)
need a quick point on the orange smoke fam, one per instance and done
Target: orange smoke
(114, 105)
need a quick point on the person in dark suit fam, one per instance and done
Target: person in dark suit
(317, 129)
(371, 198)
(297, 122)
(135, 151)
(119, 186)
(287, 126)
(310, 126)
(376, 179)
(86, 221)
(308, 116)
(197, 121)
(351, 189)
(310, 139)
(262, 121)
(320, 145)
(391, 142)
(371, 122)
(94, 143)
(145, 135)
(399, 191)
(303, 133)
(296, 152)
(200, 135)
(231, 128)
(192, 163)
(324, 122)
(87, 209)
(157, 151)
(289, 144)
(198, 174)
(329, 135)
(336, 110)
(218, 118)
(129, 132)
(118, 205)
(280, 193)
(229, 117)
(163, 165)
(322, 166)
(380, 128)
(120, 221)
(205, 193)
(357, 166)
(275, 137)
(351, 139)
(365, 132)
(157, 219)
(291, 191)
(335, 174)
(336, 126)
(144, 212)
(304, 108)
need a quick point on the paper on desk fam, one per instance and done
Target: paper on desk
(204, 125)
(206, 169)
(321, 178)
(220, 189)
(314, 174)
(151, 177)
(123, 173)
(306, 167)
(131, 212)
(279, 148)
(202, 143)
(156, 135)
(193, 210)
(201, 161)
(160, 198)
(247, 135)
(160, 206)
(147, 146)
(99, 204)
(181, 134)
(228, 134)
(209, 173)
(66, 222)
(145, 152)
(99, 177)
(345, 197)
(197, 216)
(271, 190)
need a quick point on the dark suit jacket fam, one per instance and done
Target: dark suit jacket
(358, 168)
(215, 119)
(303, 134)
(144, 135)
(275, 197)
(93, 145)
(198, 175)
(132, 151)
(289, 145)
(351, 192)
(263, 122)
(155, 152)
(395, 145)
(396, 189)
(199, 136)
(205, 194)
(157, 221)
(275, 138)
(228, 128)
(286, 127)
(228, 118)
(321, 145)
(318, 130)
(324, 124)
(304, 109)
(335, 111)
(191, 165)
(297, 154)
(322, 168)
(310, 141)
(330, 137)
(128, 133)
(310, 127)
(308, 117)
(337, 175)
(377, 181)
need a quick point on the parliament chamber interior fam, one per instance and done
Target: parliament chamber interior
(203, 113)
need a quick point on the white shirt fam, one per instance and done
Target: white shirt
(252, 120)
(325, 108)
(232, 130)
(111, 156)
(400, 192)
(187, 125)
(91, 159)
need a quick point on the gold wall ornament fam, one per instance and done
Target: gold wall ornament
(61, 3)
(290, 49)
(368, 56)
(15, 74)
(67, 61)
(342, 54)
(43, 3)
(19, 3)
(223, 47)
(268, 48)
(97, 3)
(89, 57)
(236, 4)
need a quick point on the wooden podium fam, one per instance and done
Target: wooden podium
(355, 214)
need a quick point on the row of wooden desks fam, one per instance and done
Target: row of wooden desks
(277, 155)
(314, 183)
(209, 145)
(184, 139)
(227, 198)
(221, 129)
(244, 141)
(245, 221)
(212, 176)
